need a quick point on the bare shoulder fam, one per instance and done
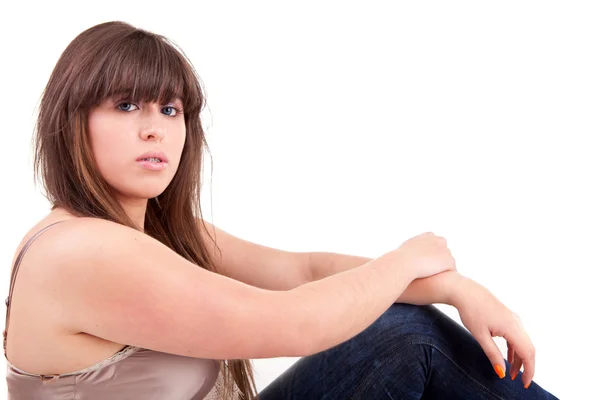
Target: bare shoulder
(63, 249)
(66, 240)
(78, 238)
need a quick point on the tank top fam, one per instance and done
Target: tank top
(132, 373)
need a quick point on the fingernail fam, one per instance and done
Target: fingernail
(499, 371)
(527, 386)
(514, 376)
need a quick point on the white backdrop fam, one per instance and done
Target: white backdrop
(348, 127)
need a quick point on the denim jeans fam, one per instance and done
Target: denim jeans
(410, 352)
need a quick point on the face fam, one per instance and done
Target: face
(122, 134)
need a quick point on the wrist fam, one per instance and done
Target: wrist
(407, 268)
(453, 285)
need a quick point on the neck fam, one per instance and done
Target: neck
(136, 210)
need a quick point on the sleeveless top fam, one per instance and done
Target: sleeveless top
(132, 373)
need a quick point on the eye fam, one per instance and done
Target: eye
(124, 106)
(172, 111)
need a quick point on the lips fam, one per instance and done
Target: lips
(153, 156)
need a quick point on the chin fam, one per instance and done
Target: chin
(150, 194)
(141, 193)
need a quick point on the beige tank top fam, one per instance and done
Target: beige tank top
(132, 373)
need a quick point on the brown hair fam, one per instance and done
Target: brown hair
(114, 58)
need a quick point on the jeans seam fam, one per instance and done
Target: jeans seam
(368, 377)
(462, 370)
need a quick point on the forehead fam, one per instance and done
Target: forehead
(127, 96)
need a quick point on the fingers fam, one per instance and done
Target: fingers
(527, 355)
(524, 351)
(523, 354)
(453, 265)
(511, 354)
(493, 353)
(515, 366)
(444, 243)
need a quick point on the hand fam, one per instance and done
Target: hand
(426, 254)
(485, 317)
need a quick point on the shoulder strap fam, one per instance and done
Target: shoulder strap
(13, 276)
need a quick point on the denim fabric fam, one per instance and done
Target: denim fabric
(410, 352)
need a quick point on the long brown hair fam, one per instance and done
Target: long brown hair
(105, 60)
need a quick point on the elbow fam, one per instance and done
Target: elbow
(303, 342)
(303, 326)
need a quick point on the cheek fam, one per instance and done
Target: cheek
(178, 142)
(104, 136)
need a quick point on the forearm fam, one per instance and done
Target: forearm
(434, 289)
(339, 306)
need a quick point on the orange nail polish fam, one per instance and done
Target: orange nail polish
(527, 386)
(500, 371)
(514, 376)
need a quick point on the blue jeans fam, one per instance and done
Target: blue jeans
(410, 352)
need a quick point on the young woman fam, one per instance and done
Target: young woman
(123, 291)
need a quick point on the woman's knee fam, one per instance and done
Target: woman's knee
(396, 331)
(408, 318)
(402, 324)
(421, 325)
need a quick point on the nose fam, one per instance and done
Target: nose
(152, 132)
(153, 128)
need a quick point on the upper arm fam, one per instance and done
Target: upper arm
(255, 264)
(126, 287)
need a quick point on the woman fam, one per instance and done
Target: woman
(111, 303)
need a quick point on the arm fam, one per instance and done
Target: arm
(277, 269)
(121, 285)
(434, 289)
(252, 263)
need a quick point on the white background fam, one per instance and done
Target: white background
(350, 127)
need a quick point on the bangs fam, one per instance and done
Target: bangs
(144, 68)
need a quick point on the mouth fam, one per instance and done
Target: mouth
(153, 157)
(152, 164)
